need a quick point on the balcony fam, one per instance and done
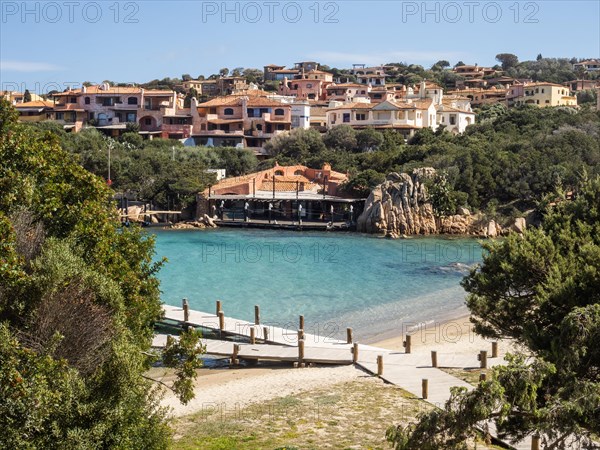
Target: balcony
(123, 106)
(221, 132)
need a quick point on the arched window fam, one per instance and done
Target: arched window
(87, 100)
(279, 112)
(298, 172)
(228, 111)
(279, 172)
(132, 101)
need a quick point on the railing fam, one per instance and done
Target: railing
(288, 215)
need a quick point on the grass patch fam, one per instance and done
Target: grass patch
(349, 415)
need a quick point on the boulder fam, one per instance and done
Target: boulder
(399, 206)
(491, 229)
(464, 211)
(209, 221)
(519, 225)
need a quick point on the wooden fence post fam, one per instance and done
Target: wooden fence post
(425, 388)
(266, 333)
(407, 344)
(535, 442)
(349, 335)
(482, 376)
(355, 353)
(221, 321)
(434, 358)
(219, 308)
(256, 315)
(234, 357)
(301, 323)
(252, 335)
(494, 349)
(301, 353)
(186, 310)
(483, 359)
(379, 365)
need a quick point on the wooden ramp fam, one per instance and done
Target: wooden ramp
(339, 355)
(237, 327)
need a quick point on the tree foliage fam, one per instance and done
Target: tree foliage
(78, 302)
(541, 290)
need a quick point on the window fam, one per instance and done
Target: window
(132, 101)
(279, 172)
(279, 112)
(542, 91)
(259, 127)
(377, 96)
(228, 111)
(361, 116)
(452, 119)
(298, 172)
(87, 100)
(72, 99)
(346, 117)
(148, 121)
(309, 86)
(60, 116)
(280, 126)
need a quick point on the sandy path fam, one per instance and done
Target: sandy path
(232, 389)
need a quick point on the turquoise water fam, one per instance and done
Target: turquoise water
(336, 280)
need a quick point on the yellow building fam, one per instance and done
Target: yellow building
(35, 111)
(540, 94)
(16, 98)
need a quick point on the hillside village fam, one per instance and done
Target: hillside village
(233, 111)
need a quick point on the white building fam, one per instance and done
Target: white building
(422, 108)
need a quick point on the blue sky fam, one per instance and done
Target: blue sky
(48, 44)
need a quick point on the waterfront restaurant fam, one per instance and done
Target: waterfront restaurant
(283, 195)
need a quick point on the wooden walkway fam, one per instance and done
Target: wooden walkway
(406, 370)
(241, 328)
(337, 355)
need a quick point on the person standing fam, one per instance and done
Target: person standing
(222, 209)
(270, 211)
(300, 214)
(246, 212)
